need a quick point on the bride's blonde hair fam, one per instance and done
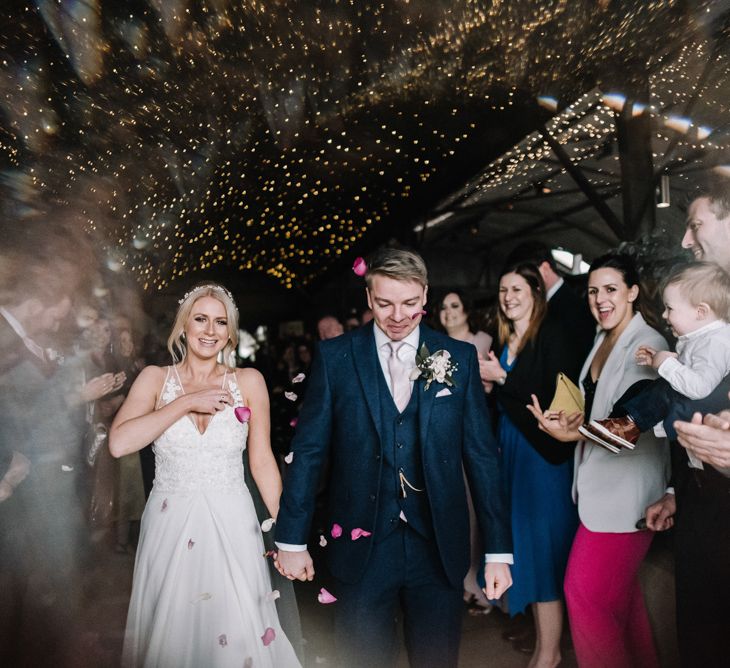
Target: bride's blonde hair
(176, 341)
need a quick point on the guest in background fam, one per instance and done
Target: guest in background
(538, 469)
(608, 618)
(454, 314)
(328, 327)
(563, 303)
(456, 319)
(130, 487)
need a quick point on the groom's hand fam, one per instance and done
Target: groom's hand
(295, 565)
(498, 579)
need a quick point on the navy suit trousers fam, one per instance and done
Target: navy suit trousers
(404, 570)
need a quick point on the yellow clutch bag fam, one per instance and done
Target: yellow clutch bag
(567, 396)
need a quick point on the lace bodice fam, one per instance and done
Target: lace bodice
(186, 460)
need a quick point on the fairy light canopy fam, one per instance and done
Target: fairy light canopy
(284, 136)
(529, 191)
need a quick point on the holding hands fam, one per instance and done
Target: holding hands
(295, 565)
(648, 356)
(557, 424)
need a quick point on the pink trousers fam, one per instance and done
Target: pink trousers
(608, 619)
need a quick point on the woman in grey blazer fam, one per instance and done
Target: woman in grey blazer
(608, 620)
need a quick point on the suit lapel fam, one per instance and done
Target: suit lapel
(425, 400)
(367, 365)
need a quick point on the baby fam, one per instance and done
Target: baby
(697, 308)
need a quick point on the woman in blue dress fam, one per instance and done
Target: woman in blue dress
(538, 470)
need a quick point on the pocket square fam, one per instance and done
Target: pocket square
(443, 393)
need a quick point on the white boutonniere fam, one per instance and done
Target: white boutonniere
(437, 367)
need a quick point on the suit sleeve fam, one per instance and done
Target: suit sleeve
(482, 465)
(310, 447)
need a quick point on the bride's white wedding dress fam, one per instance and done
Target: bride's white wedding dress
(201, 595)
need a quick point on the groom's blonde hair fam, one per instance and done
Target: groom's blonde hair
(397, 263)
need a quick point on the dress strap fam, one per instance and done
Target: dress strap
(182, 387)
(162, 389)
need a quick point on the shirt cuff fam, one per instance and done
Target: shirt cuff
(288, 547)
(500, 558)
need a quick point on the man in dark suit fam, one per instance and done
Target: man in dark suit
(398, 445)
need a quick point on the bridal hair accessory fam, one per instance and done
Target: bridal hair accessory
(207, 286)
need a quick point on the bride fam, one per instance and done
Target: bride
(201, 594)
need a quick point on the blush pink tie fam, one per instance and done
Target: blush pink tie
(399, 381)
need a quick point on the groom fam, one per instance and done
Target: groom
(398, 449)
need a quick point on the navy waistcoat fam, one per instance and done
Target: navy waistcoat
(401, 453)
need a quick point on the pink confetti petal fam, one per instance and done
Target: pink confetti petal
(325, 597)
(222, 640)
(359, 266)
(293, 422)
(243, 413)
(273, 595)
(191, 542)
(267, 524)
(269, 553)
(163, 508)
(359, 533)
(417, 313)
(322, 541)
(336, 531)
(291, 396)
(298, 378)
(289, 458)
(268, 636)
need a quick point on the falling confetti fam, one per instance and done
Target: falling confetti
(266, 525)
(291, 396)
(268, 636)
(163, 508)
(418, 313)
(66, 468)
(273, 595)
(322, 541)
(298, 378)
(191, 543)
(360, 267)
(293, 422)
(325, 597)
(222, 640)
(243, 413)
(289, 458)
(270, 553)
(359, 533)
(205, 596)
(336, 531)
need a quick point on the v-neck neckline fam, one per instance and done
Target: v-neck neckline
(190, 417)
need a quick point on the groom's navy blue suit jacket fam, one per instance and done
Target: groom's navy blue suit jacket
(340, 418)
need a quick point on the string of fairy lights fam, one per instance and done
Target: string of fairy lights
(588, 125)
(274, 135)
